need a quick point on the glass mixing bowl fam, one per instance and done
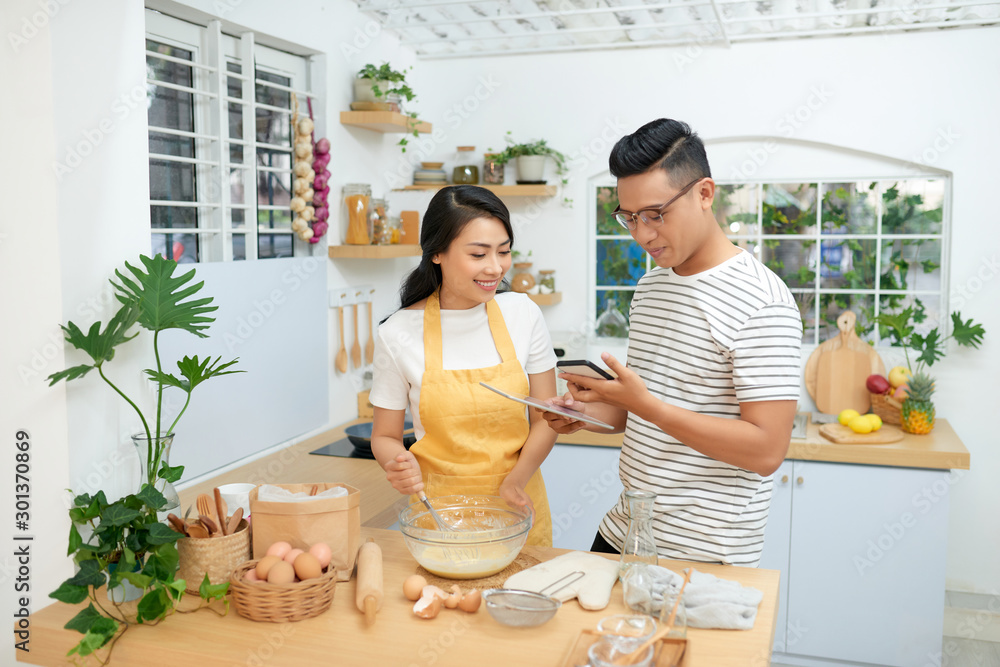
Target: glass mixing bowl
(487, 535)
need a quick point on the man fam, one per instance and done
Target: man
(709, 394)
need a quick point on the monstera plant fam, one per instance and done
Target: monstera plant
(124, 540)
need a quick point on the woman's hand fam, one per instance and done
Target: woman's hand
(403, 472)
(515, 495)
(559, 423)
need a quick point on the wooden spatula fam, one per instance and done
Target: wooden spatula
(220, 506)
(356, 347)
(234, 520)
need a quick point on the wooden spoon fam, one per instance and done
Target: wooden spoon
(177, 524)
(341, 361)
(210, 526)
(197, 530)
(370, 345)
(220, 505)
(356, 348)
(234, 520)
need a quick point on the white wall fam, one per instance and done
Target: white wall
(894, 95)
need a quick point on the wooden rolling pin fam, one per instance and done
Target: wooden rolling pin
(368, 594)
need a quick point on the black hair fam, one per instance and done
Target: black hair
(450, 210)
(661, 144)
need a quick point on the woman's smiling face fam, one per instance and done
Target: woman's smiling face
(474, 264)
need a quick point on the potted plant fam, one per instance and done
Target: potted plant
(531, 158)
(125, 540)
(384, 85)
(917, 410)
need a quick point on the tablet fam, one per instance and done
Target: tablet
(542, 405)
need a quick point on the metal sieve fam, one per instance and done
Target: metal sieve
(526, 609)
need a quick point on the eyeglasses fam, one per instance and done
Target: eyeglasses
(651, 216)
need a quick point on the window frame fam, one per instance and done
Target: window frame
(212, 52)
(811, 336)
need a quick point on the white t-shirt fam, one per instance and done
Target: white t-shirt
(467, 343)
(706, 343)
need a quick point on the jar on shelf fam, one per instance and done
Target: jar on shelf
(356, 221)
(395, 227)
(378, 217)
(546, 281)
(492, 169)
(466, 171)
(522, 281)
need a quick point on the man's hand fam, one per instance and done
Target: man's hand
(627, 391)
(403, 473)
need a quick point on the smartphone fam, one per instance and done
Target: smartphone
(583, 367)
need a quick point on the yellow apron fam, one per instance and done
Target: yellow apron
(473, 436)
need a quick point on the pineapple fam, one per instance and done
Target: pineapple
(918, 410)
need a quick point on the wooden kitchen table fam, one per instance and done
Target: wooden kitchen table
(341, 637)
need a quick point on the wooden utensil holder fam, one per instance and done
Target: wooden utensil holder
(214, 556)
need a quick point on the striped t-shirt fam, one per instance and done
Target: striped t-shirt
(706, 342)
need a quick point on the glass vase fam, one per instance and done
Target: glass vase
(640, 545)
(157, 449)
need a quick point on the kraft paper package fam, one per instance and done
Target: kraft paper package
(303, 520)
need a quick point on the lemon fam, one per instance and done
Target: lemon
(875, 420)
(860, 424)
(846, 416)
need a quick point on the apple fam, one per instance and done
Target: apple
(901, 392)
(877, 384)
(899, 375)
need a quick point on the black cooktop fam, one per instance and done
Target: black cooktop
(344, 448)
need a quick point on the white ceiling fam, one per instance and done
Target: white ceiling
(460, 28)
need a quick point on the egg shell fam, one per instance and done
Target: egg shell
(470, 601)
(307, 566)
(279, 549)
(413, 587)
(281, 573)
(264, 566)
(292, 555)
(321, 550)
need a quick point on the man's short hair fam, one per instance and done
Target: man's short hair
(661, 144)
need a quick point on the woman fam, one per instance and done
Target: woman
(453, 331)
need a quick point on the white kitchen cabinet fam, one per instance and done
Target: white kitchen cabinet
(861, 551)
(582, 485)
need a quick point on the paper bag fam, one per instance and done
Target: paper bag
(336, 521)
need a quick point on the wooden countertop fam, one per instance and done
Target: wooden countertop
(941, 448)
(341, 637)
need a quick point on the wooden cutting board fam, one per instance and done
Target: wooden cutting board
(842, 435)
(836, 370)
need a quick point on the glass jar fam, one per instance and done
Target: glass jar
(395, 229)
(466, 172)
(639, 546)
(356, 222)
(378, 221)
(546, 281)
(611, 323)
(492, 169)
(522, 281)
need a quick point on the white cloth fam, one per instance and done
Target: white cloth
(710, 602)
(557, 578)
(277, 494)
(467, 343)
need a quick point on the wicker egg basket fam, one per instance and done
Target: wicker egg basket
(281, 603)
(888, 409)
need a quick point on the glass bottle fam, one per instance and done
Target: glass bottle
(466, 172)
(492, 169)
(639, 546)
(378, 219)
(357, 203)
(611, 323)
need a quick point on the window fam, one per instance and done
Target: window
(220, 142)
(870, 246)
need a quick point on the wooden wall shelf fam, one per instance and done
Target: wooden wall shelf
(383, 121)
(550, 299)
(373, 251)
(501, 190)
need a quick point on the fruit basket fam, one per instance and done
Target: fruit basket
(887, 408)
(281, 603)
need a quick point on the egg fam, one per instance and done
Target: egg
(470, 601)
(454, 598)
(281, 573)
(413, 587)
(292, 555)
(251, 575)
(264, 566)
(322, 552)
(279, 549)
(307, 566)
